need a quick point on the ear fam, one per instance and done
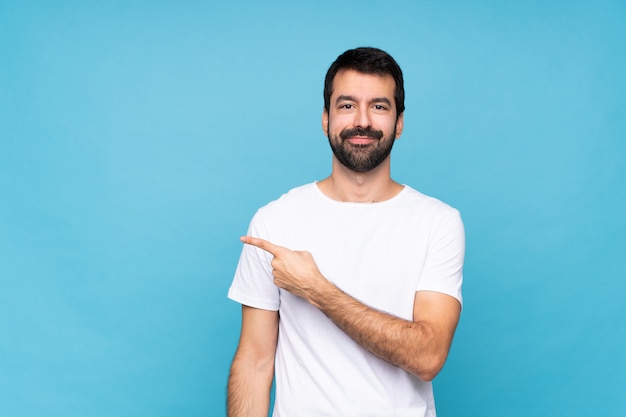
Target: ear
(399, 125)
(325, 122)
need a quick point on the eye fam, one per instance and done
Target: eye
(380, 107)
(346, 106)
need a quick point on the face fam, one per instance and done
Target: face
(361, 123)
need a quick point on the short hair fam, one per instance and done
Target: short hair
(366, 60)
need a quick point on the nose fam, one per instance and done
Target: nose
(362, 118)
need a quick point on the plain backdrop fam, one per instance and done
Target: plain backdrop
(137, 139)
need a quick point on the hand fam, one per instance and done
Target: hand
(294, 271)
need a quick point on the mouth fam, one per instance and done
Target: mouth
(360, 136)
(360, 140)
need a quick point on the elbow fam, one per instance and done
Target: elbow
(429, 357)
(427, 376)
(428, 369)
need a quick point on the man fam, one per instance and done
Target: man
(351, 286)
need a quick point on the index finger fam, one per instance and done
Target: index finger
(262, 244)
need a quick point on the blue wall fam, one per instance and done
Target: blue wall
(138, 138)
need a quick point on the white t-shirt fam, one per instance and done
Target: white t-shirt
(379, 253)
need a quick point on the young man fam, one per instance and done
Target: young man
(350, 286)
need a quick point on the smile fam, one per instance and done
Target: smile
(360, 140)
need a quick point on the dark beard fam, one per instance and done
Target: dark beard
(362, 158)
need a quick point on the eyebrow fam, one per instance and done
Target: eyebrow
(374, 100)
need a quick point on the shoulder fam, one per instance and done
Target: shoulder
(293, 200)
(296, 196)
(431, 215)
(284, 214)
(425, 204)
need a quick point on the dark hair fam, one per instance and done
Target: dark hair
(366, 61)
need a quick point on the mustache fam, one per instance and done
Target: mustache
(367, 132)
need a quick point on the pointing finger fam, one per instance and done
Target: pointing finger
(262, 244)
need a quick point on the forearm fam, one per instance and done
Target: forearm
(249, 387)
(412, 346)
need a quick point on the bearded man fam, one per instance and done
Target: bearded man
(350, 286)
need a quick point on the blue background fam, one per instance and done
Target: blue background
(138, 138)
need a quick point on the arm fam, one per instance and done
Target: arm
(419, 346)
(252, 370)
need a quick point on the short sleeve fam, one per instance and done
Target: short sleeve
(253, 284)
(443, 267)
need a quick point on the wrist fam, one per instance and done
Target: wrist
(323, 295)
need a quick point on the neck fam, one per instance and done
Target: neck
(366, 187)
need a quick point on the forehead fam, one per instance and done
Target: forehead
(358, 84)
